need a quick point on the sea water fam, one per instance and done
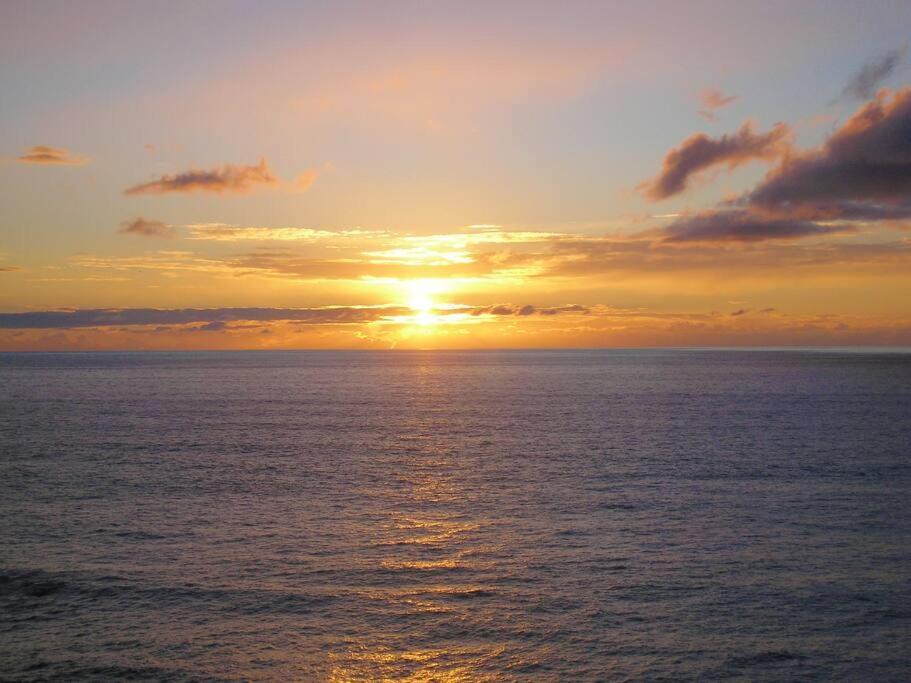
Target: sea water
(449, 516)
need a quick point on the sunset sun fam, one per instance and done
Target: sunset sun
(421, 299)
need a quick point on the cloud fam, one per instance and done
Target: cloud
(304, 180)
(863, 84)
(743, 226)
(527, 309)
(146, 228)
(503, 309)
(721, 256)
(572, 308)
(700, 152)
(214, 326)
(52, 156)
(713, 99)
(223, 232)
(864, 167)
(227, 179)
(166, 261)
(287, 263)
(212, 318)
(221, 319)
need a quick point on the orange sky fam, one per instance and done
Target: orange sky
(526, 175)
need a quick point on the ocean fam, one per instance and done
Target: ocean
(456, 516)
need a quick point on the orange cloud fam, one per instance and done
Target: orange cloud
(223, 232)
(304, 180)
(51, 156)
(713, 99)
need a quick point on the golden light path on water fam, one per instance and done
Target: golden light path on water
(430, 544)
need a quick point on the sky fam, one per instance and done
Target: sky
(268, 175)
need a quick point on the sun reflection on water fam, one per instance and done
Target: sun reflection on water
(430, 555)
(413, 666)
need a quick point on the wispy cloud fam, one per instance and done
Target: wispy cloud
(51, 156)
(223, 232)
(305, 180)
(712, 100)
(165, 261)
(700, 152)
(227, 179)
(863, 84)
(290, 264)
(147, 228)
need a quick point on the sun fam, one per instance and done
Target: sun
(420, 299)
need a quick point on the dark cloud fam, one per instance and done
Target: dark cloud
(863, 84)
(739, 225)
(700, 152)
(864, 168)
(221, 319)
(572, 308)
(54, 156)
(849, 210)
(500, 309)
(215, 326)
(108, 317)
(526, 310)
(147, 228)
(228, 178)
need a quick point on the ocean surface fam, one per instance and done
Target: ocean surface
(450, 516)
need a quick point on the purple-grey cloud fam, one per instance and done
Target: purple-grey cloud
(220, 319)
(863, 84)
(214, 326)
(147, 228)
(107, 317)
(700, 152)
(738, 225)
(526, 310)
(228, 178)
(863, 170)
